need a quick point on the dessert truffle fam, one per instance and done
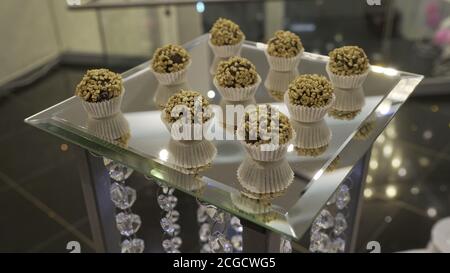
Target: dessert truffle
(170, 58)
(253, 120)
(225, 32)
(99, 85)
(236, 72)
(284, 44)
(188, 98)
(310, 91)
(348, 61)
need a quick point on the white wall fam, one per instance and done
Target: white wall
(27, 37)
(35, 31)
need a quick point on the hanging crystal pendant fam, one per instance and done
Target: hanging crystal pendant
(128, 224)
(122, 196)
(132, 246)
(117, 171)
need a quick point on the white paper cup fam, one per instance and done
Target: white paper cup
(104, 109)
(307, 114)
(238, 94)
(275, 153)
(349, 100)
(191, 154)
(283, 64)
(110, 128)
(347, 82)
(173, 78)
(226, 51)
(311, 135)
(265, 177)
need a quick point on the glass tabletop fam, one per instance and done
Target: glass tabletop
(218, 171)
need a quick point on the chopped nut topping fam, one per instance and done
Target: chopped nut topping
(284, 44)
(225, 32)
(236, 72)
(264, 117)
(311, 91)
(191, 99)
(170, 58)
(99, 85)
(348, 60)
(343, 115)
(311, 151)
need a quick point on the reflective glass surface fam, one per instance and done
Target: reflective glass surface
(222, 172)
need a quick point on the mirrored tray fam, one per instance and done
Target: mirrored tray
(317, 173)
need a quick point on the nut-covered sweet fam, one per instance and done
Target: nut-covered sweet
(170, 58)
(310, 90)
(194, 101)
(225, 32)
(236, 72)
(348, 61)
(284, 44)
(259, 124)
(99, 85)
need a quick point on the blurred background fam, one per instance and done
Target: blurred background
(46, 46)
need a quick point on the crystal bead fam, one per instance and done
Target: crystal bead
(167, 190)
(236, 241)
(173, 216)
(324, 220)
(167, 245)
(204, 232)
(236, 224)
(167, 225)
(220, 244)
(201, 214)
(215, 214)
(176, 230)
(285, 246)
(342, 197)
(338, 245)
(133, 246)
(117, 171)
(320, 242)
(205, 248)
(340, 224)
(167, 202)
(315, 227)
(176, 242)
(128, 224)
(122, 196)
